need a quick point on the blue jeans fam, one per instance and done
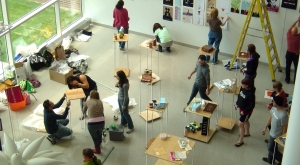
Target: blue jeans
(62, 129)
(84, 99)
(125, 117)
(96, 130)
(122, 44)
(214, 38)
(277, 154)
(201, 90)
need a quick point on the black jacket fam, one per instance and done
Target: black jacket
(50, 117)
(251, 66)
(246, 100)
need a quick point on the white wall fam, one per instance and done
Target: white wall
(144, 13)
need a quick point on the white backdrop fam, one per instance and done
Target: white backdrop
(144, 13)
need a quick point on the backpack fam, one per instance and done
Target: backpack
(48, 57)
(37, 61)
(35, 82)
(79, 66)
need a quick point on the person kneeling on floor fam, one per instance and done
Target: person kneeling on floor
(55, 124)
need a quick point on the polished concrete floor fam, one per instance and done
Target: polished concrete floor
(174, 69)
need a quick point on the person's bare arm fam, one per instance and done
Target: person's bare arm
(284, 129)
(194, 71)
(85, 83)
(223, 23)
(267, 124)
(294, 24)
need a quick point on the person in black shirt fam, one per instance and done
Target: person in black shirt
(246, 104)
(55, 124)
(84, 82)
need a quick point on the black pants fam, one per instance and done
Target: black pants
(291, 57)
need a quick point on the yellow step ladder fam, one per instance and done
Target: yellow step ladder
(267, 35)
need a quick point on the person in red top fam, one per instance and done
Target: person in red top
(278, 91)
(292, 53)
(121, 19)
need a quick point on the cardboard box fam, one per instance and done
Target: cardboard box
(59, 77)
(20, 71)
(116, 134)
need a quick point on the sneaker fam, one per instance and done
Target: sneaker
(123, 49)
(168, 50)
(123, 125)
(266, 160)
(129, 131)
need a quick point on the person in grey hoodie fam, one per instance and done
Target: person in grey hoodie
(202, 81)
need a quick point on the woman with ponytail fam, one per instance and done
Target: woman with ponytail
(90, 158)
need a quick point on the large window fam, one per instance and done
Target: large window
(18, 8)
(36, 30)
(70, 11)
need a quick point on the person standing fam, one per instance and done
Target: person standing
(278, 121)
(245, 104)
(202, 81)
(84, 82)
(215, 33)
(123, 101)
(96, 121)
(55, 124)
(162, 36)
(252, 63)
(292, 53)
(121, 19)
(89, 158)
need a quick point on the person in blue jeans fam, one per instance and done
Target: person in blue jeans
(215, 33)
(55, 124)
(123, 101)
(202, 81)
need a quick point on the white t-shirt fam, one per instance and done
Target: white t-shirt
(279, 120)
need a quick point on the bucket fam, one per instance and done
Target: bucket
(19, 105)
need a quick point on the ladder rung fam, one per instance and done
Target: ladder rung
(274, 56)
(265, 15)
(275, 68)
(269, 36)
(255, 29)
(262, 4)
(254, 36)
(267, 26)
(271, 46)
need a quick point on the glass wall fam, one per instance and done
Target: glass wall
(18, 8)
(37, 30)
(70, 11)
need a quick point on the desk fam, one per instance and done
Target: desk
(169, 145)
(124, 39)
(197, 135)
(199, 51)
(224, 122)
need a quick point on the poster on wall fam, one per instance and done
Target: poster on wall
(235, 6)
(223, 7)
(207, 16)
(177, 13)
(210, 4)
(290, 4)
(188, 3)
(245, 6)
(272, 5)
(168, 13)
(168, 2)
(199, 12)
(187, 15)
(177, 2)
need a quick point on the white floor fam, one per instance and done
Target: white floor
(175, 87)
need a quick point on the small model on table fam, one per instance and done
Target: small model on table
(162, 36)
(202, 81)
(55, 124)
(278, 121)
(245, 103)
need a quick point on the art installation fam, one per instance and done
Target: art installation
(210, 4)
(177, 2)
(207, 17)
(187, 15)
(188, 3)
(223, 7)
(177, 13)
(245, 6)
(235, 6)
(29, 155)
(168, 2)
(199, 12)
(290, 4)
(168, 13)
(272, 5)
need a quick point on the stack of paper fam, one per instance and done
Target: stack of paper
(178, 155)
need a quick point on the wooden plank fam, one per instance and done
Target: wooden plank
(205, 53)
(151, 115)
(74, 94)
(150, 142)
(226, 123)
(197, 135)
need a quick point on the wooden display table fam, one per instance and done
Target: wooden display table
(205, 53)
(278, 141)
(153, 113)
(166, 146)
(197, 135)
(241, 58)
(124, 39)
(155, 79)
(224, 122)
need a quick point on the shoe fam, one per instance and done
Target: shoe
(129, 131)
(122, 49)
(115, 117)
(239, 144)
(158, 50)
(97, 150)
(246, 135)
(266, 140)
(123, 125)
(168, 49)
(266, 160)
(287, 81)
